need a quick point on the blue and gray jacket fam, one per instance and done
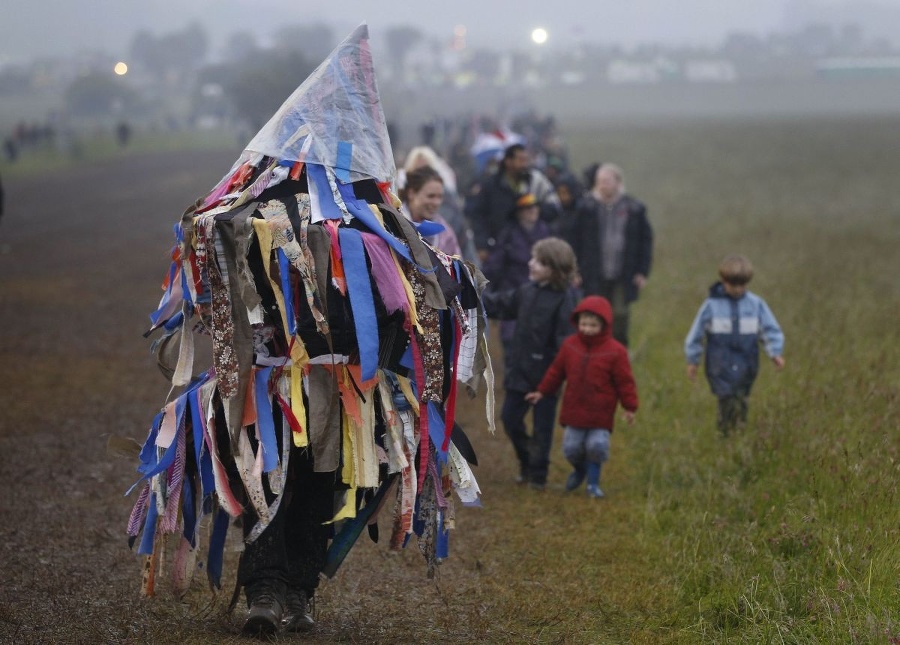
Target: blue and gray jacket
(733, 329)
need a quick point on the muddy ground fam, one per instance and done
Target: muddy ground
(82, 255)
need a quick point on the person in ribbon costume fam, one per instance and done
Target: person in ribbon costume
(339, 340)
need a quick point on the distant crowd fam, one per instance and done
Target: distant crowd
(26, 138)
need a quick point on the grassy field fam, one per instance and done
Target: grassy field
(788, 532)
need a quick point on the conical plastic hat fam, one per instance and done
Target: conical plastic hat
(334, 118)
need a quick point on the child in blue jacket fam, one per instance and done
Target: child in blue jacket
(733, 320)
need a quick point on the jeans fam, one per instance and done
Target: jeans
(533, 452)
(581, 446)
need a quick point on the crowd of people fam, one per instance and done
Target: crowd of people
(565, 258)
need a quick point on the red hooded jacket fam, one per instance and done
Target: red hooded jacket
(596, 371)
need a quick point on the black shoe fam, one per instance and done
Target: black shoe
(298, 612)
(575, 479)
(264, 617)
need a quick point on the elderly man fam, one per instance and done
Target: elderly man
(613, 241)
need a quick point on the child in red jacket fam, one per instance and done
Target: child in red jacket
(598, 377)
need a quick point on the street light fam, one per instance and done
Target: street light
(120, 69)
(539, 36)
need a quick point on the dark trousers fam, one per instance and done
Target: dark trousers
(532, 451)
(291, 552)
(614, 291)
(732, 412)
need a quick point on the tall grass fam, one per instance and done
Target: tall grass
(790, 531)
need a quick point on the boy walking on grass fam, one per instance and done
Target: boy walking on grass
(733, 320)
(598, 378)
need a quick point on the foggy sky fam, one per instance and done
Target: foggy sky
(59, 27)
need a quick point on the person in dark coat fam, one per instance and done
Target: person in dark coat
(494, 205)
(541, 308)
(613, 241)
(507, 266)
(570, 192)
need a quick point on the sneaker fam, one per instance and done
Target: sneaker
(575, 479)
(538, 486)
(264, 617)
(594, 492)
(298, 612)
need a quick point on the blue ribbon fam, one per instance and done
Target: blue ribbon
(285, 274)
(359, 208)
(146, 546)
(427, 228)
(265, 422)
(327, 205)
(343, 161)
(407, 361)
(166, 299)
(148, 454)
(362, 302)
(174, 322)
(217, 548)
(150, 463)
(189, 512)
(436, 429)
(204, 460)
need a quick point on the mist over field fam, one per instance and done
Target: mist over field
(609, 105)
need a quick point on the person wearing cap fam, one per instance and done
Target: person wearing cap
(507, 267)
(613, 241)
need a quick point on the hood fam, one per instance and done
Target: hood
(718, 291)
(571, 182)
(599, 306)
